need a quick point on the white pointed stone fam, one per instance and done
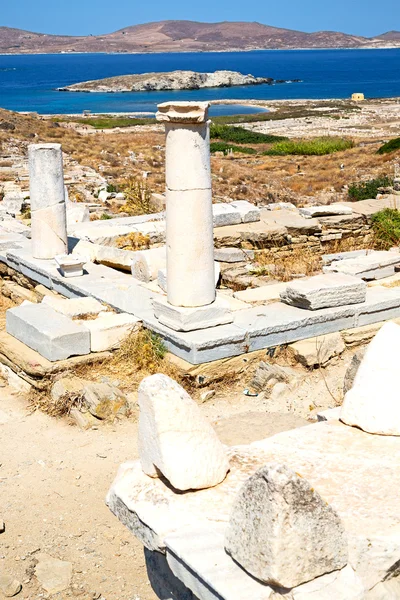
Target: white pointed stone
(175, 440)
(282, 532)
(373, 403)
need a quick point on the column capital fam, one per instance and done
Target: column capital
(183, 112)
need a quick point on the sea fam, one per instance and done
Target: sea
(30, 82)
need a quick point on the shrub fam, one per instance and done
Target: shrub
(391, 146)
(317, 147)
(386, 226)
(137, 197)
(239, 135)
(225, 148)
(364, 190)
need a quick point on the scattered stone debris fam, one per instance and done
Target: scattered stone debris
(53, 574)
(9, 586)
(317, 351)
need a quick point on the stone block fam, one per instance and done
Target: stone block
(375, 265)
(325, 210)
(224, 214)
(317, 351)
(175, 439)
(248, 212)
(70, 266)
(232, 255)
(328, 259)
(282, 532)
(189, 319)
(48, 332)
(109, 330)
(325, 291)
(77, 213)
(145, 264)
(331, 414)
(372, 403)
(352, 369)
(74, 307)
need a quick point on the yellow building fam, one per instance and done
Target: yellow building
(357, 97)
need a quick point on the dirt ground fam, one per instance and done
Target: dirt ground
(54, 478)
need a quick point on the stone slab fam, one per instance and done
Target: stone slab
(375, 265)
(262, 295)
(332, 456)
(74, 307)
(109, 330)
(328, 259)
(324, 291)
(232, 255)
(325, 210)
(370, 207)
(53, 335)
(181, 318)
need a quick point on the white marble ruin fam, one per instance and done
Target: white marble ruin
(47, 194)
(189, 217)
(307, 514)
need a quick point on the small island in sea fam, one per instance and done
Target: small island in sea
(175, 80)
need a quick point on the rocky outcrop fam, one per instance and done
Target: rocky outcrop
(176, 80)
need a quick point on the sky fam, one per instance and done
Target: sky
(84, 17)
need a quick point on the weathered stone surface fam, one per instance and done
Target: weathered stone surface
(77, 213)
(248, 212)
(352, 369)
(104, 400)
(181, 318)
(48, 332)
(145, 264)
(282, 532)
(109, 330)
(53, 574)
(372, 403)
(318, 350)
(224, 215)
(375, 265)
(325, 210)
(232, 255)
(267, 373)
(9, 586)
(328, 259)
(175, 439)
(74, 307)
(263, 294)
(324, 291)
(330, 455)
(331, 414)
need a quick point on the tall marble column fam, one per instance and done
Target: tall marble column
(48, 210)
(189, 220)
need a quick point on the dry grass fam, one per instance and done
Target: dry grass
(287, 265)
(60, 407)
(133, 241)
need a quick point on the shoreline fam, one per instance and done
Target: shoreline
(225, 51)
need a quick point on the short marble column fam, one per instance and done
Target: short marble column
(48, 210)
(189, 220)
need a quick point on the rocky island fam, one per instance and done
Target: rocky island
(175, 80)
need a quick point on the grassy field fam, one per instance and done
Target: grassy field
(313, 147)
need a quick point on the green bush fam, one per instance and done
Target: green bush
(386, 226)
(317, 147)
(364, 190)
(225, 148)
(239, 135)
(390, 146)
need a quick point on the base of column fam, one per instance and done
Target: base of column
(180, 318)
(70, 266)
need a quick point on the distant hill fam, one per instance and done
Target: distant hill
(176, 36)
(390, 36)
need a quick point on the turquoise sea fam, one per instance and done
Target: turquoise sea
(29, 82)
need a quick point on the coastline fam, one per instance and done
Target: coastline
(225, 51)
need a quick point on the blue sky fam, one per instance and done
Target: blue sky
(82, 17)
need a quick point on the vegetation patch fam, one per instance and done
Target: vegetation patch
(386, 227)
(239, 135)
(143, 350)
(133, 241)
(391, 146)
(365, 190)
(314, 147)
(109, 122)
(227, 148)
(137, 197)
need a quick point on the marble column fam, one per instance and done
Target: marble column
(48, 210)
(189, 219)
(191, 296)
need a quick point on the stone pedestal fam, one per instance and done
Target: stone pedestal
(49, 226)
(189, 215)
